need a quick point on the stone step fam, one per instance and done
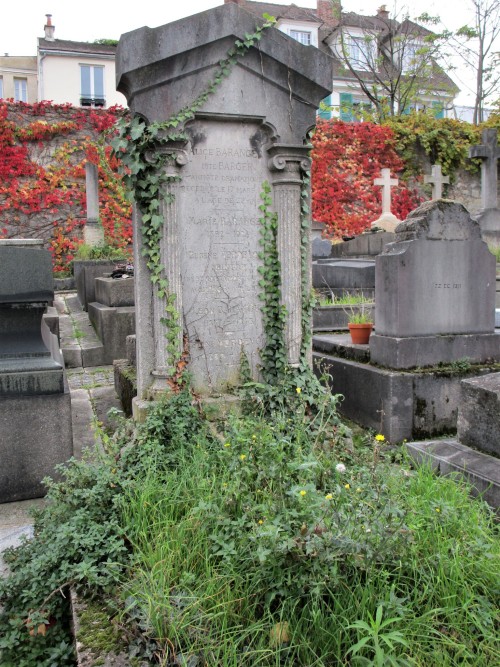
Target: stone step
(79, 342)
(450, 456)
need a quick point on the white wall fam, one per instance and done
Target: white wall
(59, 79)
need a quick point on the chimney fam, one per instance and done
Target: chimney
(329, 11)
(49, 29)
(382, 13)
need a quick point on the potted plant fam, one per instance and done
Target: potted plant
(360, 327)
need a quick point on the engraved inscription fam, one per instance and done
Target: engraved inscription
(220, 198)
(447, 285)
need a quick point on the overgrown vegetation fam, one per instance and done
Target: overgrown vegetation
(264, 542)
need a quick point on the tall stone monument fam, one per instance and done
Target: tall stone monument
(435, 292)
(35, 405)
(489, 216)
(251, 130)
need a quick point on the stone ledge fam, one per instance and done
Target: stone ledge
(424, 351)
(450, 456)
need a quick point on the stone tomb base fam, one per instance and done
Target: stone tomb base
(399, 404)
(113, 315)
(41, 439)
(422, 351)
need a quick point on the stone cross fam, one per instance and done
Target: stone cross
(386, 182)
(437, 180)
(489, 153)
(93, 232)
(387, 221)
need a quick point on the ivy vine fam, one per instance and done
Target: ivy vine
(273, 355)
(138, 145)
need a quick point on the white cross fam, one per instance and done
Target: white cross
(437, 179)
(387, 183)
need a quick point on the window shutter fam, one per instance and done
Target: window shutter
(346, 107)
(438, 109)
(99, 82)
(326, 114)
(85, 81)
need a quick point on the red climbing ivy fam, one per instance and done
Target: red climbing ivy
(347, 157)
(43, 150)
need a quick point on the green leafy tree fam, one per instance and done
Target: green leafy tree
(393, 61)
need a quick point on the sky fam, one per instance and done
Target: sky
(22, 22)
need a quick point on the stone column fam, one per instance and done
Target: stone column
(152, 355)
(286, 165)
(93, 233)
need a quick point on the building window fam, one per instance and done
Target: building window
(410, 57)
(301, 36)
(361, 52)
(20, 90)
(92, 86)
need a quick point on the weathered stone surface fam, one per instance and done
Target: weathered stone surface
(85, 272)
(478, 422)
(331, 318)
(112, 326)
(368, 244)
(450, 456)
(251, 130)
(26, 273)
(422, 351)
(321, 248)
(438, 278)
(125, 384)
(35, 435)
(346, 273)
(115, 292)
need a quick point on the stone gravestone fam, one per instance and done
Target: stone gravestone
(435, 292)
(387, 220)
(253, 129)
(35, 406)
(489, 216)
(437, 181)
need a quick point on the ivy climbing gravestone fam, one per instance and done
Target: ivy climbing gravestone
(250, 130)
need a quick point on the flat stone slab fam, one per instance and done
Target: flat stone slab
(450, 456)
(422, 351)
(341, 345)
(346, 273)
(115, 292)
(478, 423)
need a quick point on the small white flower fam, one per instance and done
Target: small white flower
(340, 467)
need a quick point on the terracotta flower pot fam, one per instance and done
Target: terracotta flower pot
(360, 333)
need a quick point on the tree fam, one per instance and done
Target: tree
(476, 44)
(391, 60)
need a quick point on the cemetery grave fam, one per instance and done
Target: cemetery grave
(218, 544)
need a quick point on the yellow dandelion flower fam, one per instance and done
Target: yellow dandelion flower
(329, 496)
(379, 437)
(298, 390)
(303, 493)
(227, 444)
(260, 522)
(243, 457)
(437, 509)
(347, 486)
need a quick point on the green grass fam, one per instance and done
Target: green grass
(495, 249)
(267, 541)
(344, 300)
(203, 585)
